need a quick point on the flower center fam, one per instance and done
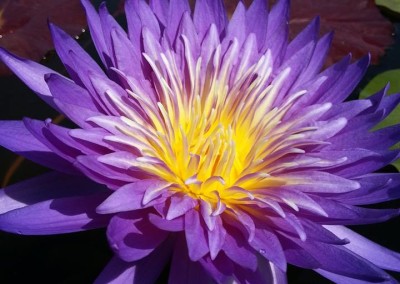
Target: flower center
(214, 136)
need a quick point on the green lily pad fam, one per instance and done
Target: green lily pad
(375, 85)
(393, 5)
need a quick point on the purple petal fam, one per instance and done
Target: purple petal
(55, 142)
(45, 187)
(277, 33)
(216, 238)
(132, 237)
(175, 13)
(184, 270)
(117, 271)
(345, 214)
(375, 188)
(267, 244)
(16, 137)
(58, 216)
(176, 225)
(207, 12)
(378, 255)
(96, 31)
(65, 45)
(67, 91)
(237, 25)
(339, 260)
(31, 73)
(257, 21)
(179, 206)
(337, 278)
(195, 233)
(129, 197)
(238, 249)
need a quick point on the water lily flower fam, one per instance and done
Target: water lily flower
(211, 145)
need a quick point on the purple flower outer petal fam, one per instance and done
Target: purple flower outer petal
(220, 268)
(278, 275)
(31, 73)
(371, 162)
(320, 182)
(57, 216)
(108, 23)
(290, 224)
(46, 187)
(196, 235)
(121, 159)
(111, 183)
(92, 138)
(348, 110)
(245, 225)
(117, 271)
(160, 9)
(96, 31)
(134, 23)
(76, 114)
(278, 31)
(188, 36)
(175, 13)
(175, 225)
(318, 233)
(132, 237)
(387, 136)
(267, 244)
(266, 273)
(40, 131)
(210, 42)
(216, 238)
(344, 214)
(298, 256)
(65, 45)
(257, 21)
(389, 103)
(236, 28)
(180, 205)
(92, 164)
(149, 268)
(340, 260)
(378, 255)
(295, 66)
(126, 56)
(322, 83)
(374, 188)
(340, 279)
(183, 269)
(67, 91)
(151, 45)
(86, 74)
(208, 12)
(307, 35)
(238, 250)
(347, 83)
(302, 200)
(129, 197)
(15, 136)
(146, 16)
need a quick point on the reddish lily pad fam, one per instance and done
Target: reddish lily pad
(23, 25)
(359, 26)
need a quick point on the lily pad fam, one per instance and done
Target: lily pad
(376, 84)
(24, 30)
(393, 5)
